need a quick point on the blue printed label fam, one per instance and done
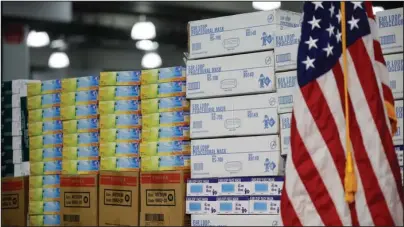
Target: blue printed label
(168, 88)
(128, 134)
(172, 132)
(87, 152)
(127, 162)
(167, 73)
(172, 146)
(129, 76)
(127, 105)
(127, 148)
(171, 102)
(52, 126)
(49, 180)
(86, 124)
(50, 99)
(56, 139)
(52, 166)
(51, 85)
(88, 165)
(52, 152)
(126, 91)
(88, 82)
(127, 120)
(51, 220)
(51, 193)
(171, 161)
(49, 207)
(86, 96)
(172, 117)
(86, 110)
(87, 138)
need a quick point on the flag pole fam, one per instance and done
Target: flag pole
(350, 179)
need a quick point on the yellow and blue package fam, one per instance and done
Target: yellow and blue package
(163, 75)
(167, 119)
(85, 139)
(46, 168)
(81, 153)
(44, 220)
(119, 107)
(46, 141)
(165, 90)
(44, 87)
(80, 167)
(41, 207)
(112, 93)
(45, 128)
(43, 101)
(164, 134)
(120, 78)
(79, 112)
(44, 194)
(45, 154)
(79, 98)
(80, 126)
(119, 149)
(120, 135)
(165, 148)
(120, 163)
(43, 115)
(80, 84)
(108, 121)
(46, 181)
(164, 163)
(171, 104)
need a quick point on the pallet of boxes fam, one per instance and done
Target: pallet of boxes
(235, 180)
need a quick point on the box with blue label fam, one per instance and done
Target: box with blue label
(81, 126)
(41, 207)
(79, 98)
(400, 154)
(120, 135)
(266, 185)
(164, 163)
(44, 194)
(46, 168)
(45, 128)
(45, 154)
(201, 205)
(44, 87)
(122, 149)
(202, 187)
(109, 121)
(81, 153)
(265, 205)
(234, 186)
(80, 166)
(232, 204)
(112, 93)
(231, 75)
(390, 31)
(286, 85)
(162, 105)
(395, 64)
(80, 84)
(235, 116)
(286, 45)
(47, 114)
(120, 78)
(240, 33)
(165, 134)
(120, 107)
(46, 141)
(398, 136)
(163, 75)
(46, 181)
(167, 119)
(285, 123)
(44, 220)
(120, 164)
(164, 90)
(236, 157)
(235, 220)
(165, 148)
(79, 112)
(81, 139)
(43, 101)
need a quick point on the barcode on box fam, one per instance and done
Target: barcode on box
(196, 46)
(283, 58)
(71, 218)
(198, 166)
(193, 86)
(197, 124)
(154, 217)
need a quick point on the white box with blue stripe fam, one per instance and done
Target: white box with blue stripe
(266, 185)
(390, 23)
(235, 220)
(201, 205)
(231, 75)
(235, 116)
(236, 157)
(240, 33)
(398, 136)
(287, 43)
(233, 204)
(286, 85)
(202, 187)
(285, 123)
(265, 205)
(395, 64)
(234, 186)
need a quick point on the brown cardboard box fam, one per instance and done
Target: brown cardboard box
(162, 196)
(79, 200)
(14, 201)
(119, 198)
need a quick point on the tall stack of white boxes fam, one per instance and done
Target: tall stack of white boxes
(234, 96)
(390, 23)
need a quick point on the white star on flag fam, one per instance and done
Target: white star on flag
(339, 36)
(312, 42)
(318, 5)
(314, 23)
(354, 23)
(357, 5)
(332, 10)
(328, 49)
(339, 16)
(330, 30)
(309, 62)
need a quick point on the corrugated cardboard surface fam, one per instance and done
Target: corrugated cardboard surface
(163, 198)
(79, 200)
(119, 198)
(14, 201)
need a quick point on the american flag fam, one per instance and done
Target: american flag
(313, 193)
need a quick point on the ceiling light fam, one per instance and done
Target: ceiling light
(58, 60)
(37, 39)
(377, 9)
(146, 45)
(266, 5)
(143, 30)
(58, 44)
(151, 60)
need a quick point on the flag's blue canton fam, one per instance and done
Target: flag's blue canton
(320, 45)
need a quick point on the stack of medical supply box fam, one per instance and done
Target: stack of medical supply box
(45, 151)
(14, 134)
(165, 120)
(120, 120)
(390, 23)
(234, 96)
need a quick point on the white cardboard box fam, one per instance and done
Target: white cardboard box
(201, 205)
(400, 154)
(285, 121)
(267, 185)
(287, 43)
(235, 220)
(22, 169)
(390, 24)
(240, 33)
(17, 156)
(202, 187)
(231, 75)
(265, 205)
(398, 137)
(236, 157)
(15, 131)
(233, 204)
(394, 63)
(234, 116)
(286, 85)
(234, 186)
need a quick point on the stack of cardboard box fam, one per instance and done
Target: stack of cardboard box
(238, 175)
